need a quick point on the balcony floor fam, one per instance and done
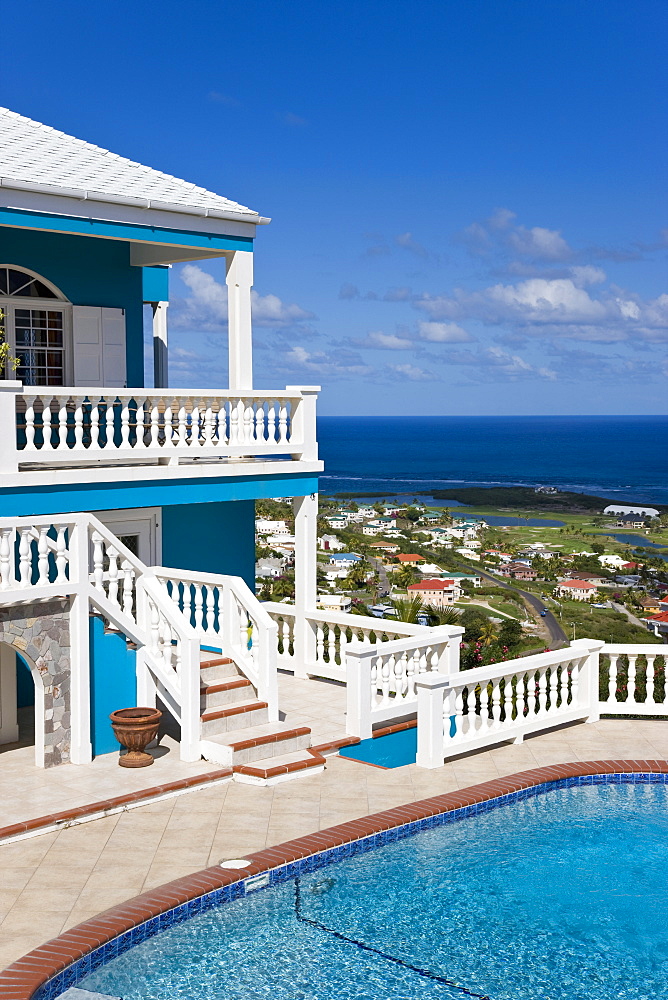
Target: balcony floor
(55, 880)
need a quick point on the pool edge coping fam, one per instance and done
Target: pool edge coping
(29, 974)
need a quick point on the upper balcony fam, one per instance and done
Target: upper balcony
(61, 434)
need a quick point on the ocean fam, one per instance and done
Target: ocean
(621, 458)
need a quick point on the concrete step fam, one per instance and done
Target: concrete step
(244, 715)
(215, 669)
(225, 693)
(258, 743)
(281, 768)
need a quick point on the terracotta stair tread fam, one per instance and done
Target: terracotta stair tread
(215, 661)
(300, 760)
(238, 709)
(243, 739)
(236, 682)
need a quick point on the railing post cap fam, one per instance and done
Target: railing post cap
(306, 390)
(11, 385)
(432, 680)
(591, 644)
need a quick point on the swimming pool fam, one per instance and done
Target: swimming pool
(557, 896)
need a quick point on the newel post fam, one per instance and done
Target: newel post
(303, 425)
(359, 661)
(431, 688)
(306, 546)
(81, 751)
(9, 454)
(589, 676)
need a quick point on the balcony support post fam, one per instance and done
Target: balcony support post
(160, 366)
(306, 531)
(240, 337)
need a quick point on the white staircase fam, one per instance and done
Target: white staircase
(236, 731)
(227, 703)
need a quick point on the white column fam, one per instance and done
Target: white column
(430, 746)
(240, 335)
(9, 727)
(81, 750)
(160, 365)
(358, 691)
(306, 531)
(9, 455)
(453, 652)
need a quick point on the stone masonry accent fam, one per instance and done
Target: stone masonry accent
(40, 632)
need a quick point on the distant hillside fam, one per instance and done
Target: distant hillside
(525, 498)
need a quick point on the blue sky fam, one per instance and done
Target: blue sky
(468, 199)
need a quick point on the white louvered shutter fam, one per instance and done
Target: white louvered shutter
(99, 346)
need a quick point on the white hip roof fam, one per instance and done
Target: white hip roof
(35, 157)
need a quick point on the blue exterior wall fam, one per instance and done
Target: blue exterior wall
(155, 282)
(113, 683)
(69, 499)
(211, 538)
(89, 272)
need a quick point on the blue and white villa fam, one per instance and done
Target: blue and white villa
(127, 510)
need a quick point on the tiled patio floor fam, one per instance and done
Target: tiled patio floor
(55, 880)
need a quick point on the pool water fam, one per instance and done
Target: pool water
(559, 897)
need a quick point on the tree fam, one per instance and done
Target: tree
(408, 610)
(598, 548)
(441, 616)
(406, 575)
(473, 620)
(510, 632)
(488, 633)
(412, 514)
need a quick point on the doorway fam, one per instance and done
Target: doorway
(139, 530)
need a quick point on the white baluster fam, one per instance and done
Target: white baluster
(521, 697)
(542, 690)
(154, 418)
(62, 554)
(449, 710)
(247, 421)
(125, 424)
(199, 607)
(400, 670)
(283, 424)
(386, 664)
(112, 591)
(25, 557)
(412, 668)
(612, 677)
(63, 427)
(110, 410)
(183, 426)
(155, 628)
(463, 722)
(127, 573)
(95, 423)
(78, 423)
(98, 561)
(234, 422)
(320, 642)
(43, 556)
(259, 421)
(552, 689)
(30, 423)
(575, 681)
(271, 423)
(6, 561)
(208, 425)
(495, 704)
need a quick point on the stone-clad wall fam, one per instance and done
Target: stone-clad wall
(40, 632)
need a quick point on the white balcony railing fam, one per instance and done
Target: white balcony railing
(507, 701)
(74, 426)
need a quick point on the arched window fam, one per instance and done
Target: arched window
(35, 320)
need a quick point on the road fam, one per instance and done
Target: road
(631, 618)
(557, 635)
(383, 578)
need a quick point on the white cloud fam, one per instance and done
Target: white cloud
(406, 241)
(587, 275)
(388, 341)
(443, 333)
(550, 307)
(501, 218)
(540, 243)
(412, 373)
(294, 121)
(206, 307)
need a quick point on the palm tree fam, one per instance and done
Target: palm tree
(488, 634)
(408, 610)
(441, 616)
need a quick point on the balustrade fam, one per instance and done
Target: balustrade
(633, 680)
(80, 425)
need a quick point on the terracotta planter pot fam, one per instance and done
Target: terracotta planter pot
(134, 728)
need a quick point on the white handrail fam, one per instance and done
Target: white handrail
(66, 424)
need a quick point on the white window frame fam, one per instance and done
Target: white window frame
(10, 303)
